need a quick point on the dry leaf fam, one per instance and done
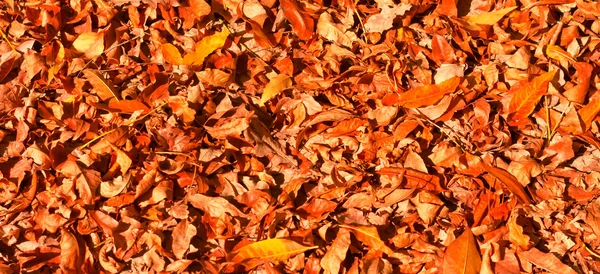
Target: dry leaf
(462, 255)
(275, 86)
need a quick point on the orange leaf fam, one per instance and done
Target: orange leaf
(205, 47)
(526, 98)
(462, 255)
(423, 96)
(578, 93)
(369, 236)
(509, 182)
(103, 88)
(589, 112)
(275, 86)
(128, 106)
(277, 249)
(302, 24)
(171, 54)
(557, 53)
(91, 44)
(488, 18)
(70, 258)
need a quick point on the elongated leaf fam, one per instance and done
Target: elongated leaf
(205, 47)
(171, 54)
(488, 18)
(128, 106)
(546, 261)
(369, 236)
(509, 181)
(302, 24)
(526, 98)
(332, 260)
(91, 44)
(557, 53)
(103, 88)
(277, 249)
(278, 84)
(462, 255)
(423, 96)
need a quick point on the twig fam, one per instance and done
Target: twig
(8, 41)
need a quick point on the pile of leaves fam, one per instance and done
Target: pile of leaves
(294, 136)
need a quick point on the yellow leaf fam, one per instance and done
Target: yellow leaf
(277, 249)
(171, 54)
(558, 54)
(277, 84)
(205, 47)
(488, 18)
(91, 44)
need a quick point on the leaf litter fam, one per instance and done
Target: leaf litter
(298, 136)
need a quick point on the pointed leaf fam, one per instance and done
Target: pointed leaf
(526, 98)
(488, 18)
(509, 181)
(332, 260)
(557, 53)
(275, 86)
(103, 88)
(277, 249)
(423, 96)
(171, 54)
(462, 255)
(70, 253)
(128, 106)
(205, 47)
(589, 112)
(578, 93)
(182, 236)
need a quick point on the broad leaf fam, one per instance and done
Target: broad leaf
(270, 250)
(487, 18)
(275, 86)
(527, 97)
(461, 256)
(91, 44)
(369, 236)
(557, 53)
(546, 261)
(171, 54)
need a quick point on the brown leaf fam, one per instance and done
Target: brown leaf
(332, 260)
(546, 261)
(462, 255)
(70, 254)
(578, 93)
(182, 236)
(369, 236)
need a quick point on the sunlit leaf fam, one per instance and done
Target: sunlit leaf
(527, 97)
(423, 96)
(510, 182)
(461, 256)
(205, 47)
(557, 53)
(128, 106)
(171, 54)
(270, 250)
(275, 86)
(91, 44)
(579, 92)
(103, 88)
(488, 18)
(546, 261)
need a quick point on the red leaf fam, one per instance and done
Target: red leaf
(423, 96)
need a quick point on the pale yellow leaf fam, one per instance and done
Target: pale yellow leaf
(91, 44)
(205, 47)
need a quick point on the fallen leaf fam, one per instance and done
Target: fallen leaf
(90, 44)
(510, 182)
(270, 250)
(462, 256)
(102, 87)
(302, 24)
(275, 86)
(204, 48)
(527, 97)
